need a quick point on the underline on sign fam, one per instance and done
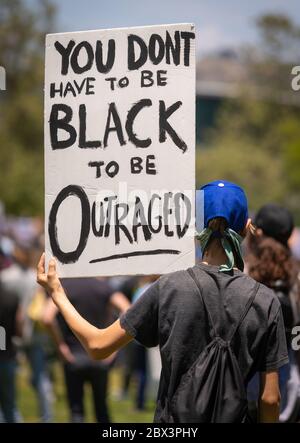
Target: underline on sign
(136, 253)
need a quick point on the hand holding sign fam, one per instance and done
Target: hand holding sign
(49, 280)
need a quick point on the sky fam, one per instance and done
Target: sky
(219, 23)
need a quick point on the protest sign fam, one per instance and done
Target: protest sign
(120, 150)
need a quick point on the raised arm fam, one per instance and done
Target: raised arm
(99, 343)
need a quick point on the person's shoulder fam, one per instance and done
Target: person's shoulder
(175, 279)
(265, 297)
(11, 278)
(11, 273)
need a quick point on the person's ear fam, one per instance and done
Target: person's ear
(246, 228)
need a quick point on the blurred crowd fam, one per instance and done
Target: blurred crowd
(36, 332)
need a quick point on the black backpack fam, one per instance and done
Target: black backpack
(212, 390)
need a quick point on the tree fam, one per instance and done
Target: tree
(22, 35)
(256, 141)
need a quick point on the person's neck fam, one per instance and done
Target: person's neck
(215, 254)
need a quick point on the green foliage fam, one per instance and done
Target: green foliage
(279, 36)
(256, 141)
(22, 34)
(243, 162)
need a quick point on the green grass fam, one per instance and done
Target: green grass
(122, 411)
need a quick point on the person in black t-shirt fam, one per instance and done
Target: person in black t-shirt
(92, 298)
(170, 313)
(11, 325)
(270, 262)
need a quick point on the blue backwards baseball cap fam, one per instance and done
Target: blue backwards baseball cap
(227, 200)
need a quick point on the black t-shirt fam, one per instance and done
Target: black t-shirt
(90, 297)
(170, 314)
(9, 303)
(287, 312)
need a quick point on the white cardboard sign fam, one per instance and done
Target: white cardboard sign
(120, 150)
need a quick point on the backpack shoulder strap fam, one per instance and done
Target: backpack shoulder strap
(243, 314)
(196, 281)
(245, 311)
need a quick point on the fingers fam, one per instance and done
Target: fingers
(41, 264)
(42, 277)
(52, 268)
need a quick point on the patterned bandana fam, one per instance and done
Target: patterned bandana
(231, 243)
